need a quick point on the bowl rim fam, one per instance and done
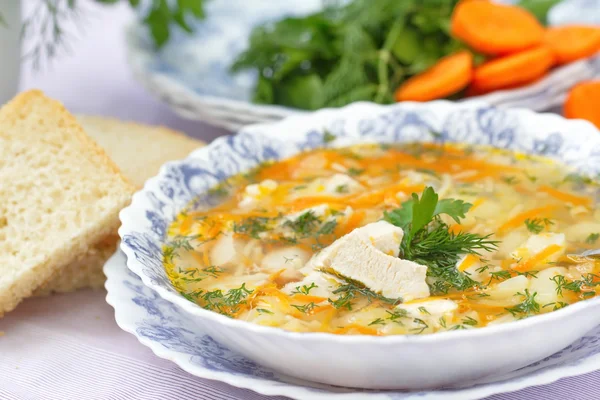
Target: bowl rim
(177, 299)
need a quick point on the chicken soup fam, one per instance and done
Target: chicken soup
(385, 240)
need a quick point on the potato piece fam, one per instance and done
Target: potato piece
(579, 232)
(545, 287)
(509, 287)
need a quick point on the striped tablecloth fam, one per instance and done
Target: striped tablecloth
(68, 347)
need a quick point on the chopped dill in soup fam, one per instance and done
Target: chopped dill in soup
(386, 240)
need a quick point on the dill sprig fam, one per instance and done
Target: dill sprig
(537, 225)
(228, 303)
(304, 289)
(428, 241)
(305, 224)
(527, 307)
(583, 285)
(252, 226)
(352, 289)
(305, 308)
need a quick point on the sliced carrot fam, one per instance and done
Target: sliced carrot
(512, 70)
(493, 28)
(450, 75)
(567, 197)
(473, 90)
(359, 328)
(582, 102)
(539, 258)
(573, 42)
(519, 219)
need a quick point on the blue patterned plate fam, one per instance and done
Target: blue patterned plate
(171, 334)
(360, 360)
(190, 72)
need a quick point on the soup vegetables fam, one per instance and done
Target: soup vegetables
(344, 54)
(382, 240)
(428, 240)
(381, 50)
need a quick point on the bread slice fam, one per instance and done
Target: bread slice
(60, 194)
(138, 150)
(122, 141)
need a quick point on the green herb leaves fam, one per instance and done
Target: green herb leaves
(161, 14)
(537, 225)
(361, 50)
(419, 212)
(252, 226)
(529, 306)
(428, 241)
(224, 303)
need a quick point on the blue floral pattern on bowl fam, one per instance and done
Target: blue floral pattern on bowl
(172, 334)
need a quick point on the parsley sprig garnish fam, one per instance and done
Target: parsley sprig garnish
(428, 241)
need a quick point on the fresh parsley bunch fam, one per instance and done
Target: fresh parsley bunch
(360, 51)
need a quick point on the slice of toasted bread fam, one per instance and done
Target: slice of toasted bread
(139, 151)
(60, 194)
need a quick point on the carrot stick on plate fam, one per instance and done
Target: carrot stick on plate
(492, 28)
(451, 74)
(573, 42)
(513, 70)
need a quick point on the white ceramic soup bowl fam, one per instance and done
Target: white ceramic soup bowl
(392, 362)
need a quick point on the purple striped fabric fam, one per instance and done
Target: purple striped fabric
(68, 347)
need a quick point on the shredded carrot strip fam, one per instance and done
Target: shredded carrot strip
(306, 202)
(519, 219)
(186, 225)
(474, 306)
(276, 293)
(326, 307)
(273, 277)
(469, 260)
(455, 228)
(567, 197)
(477, 203)
(539, 258)
(354, 220)
(377, 197)
(308, 298)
